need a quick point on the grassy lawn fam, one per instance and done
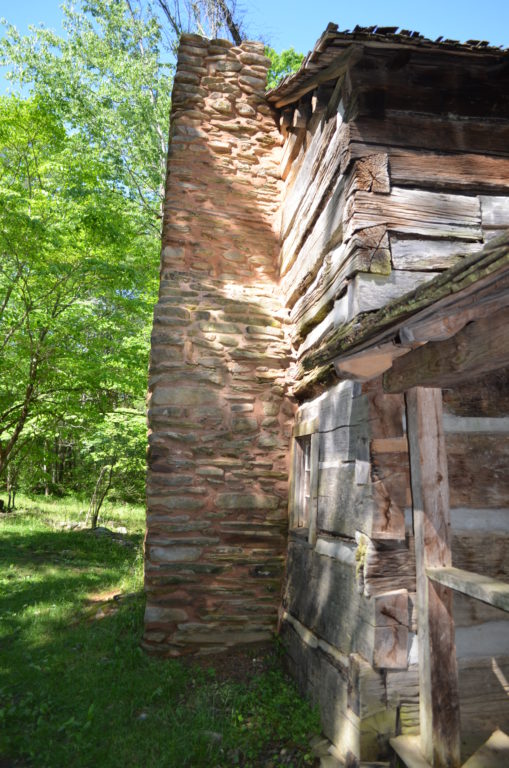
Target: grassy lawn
(75, 688)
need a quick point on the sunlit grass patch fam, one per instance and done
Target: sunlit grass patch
(75, 688)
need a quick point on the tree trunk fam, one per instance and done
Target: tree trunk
(102, 487)
(12, 477)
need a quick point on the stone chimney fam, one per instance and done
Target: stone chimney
(219, 420)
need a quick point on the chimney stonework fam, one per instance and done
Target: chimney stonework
(219, 418)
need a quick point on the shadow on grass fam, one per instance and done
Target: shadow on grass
(76, 690)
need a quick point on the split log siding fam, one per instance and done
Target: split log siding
(378, 200)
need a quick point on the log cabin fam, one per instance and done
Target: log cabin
(328, 387)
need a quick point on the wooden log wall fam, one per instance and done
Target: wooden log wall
(377, 199)
(352, 593)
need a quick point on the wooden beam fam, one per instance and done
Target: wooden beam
(438, 678)
(303, 428)
(409, 750)
(480, 347)
(313, 491)
(493, 754)
(484, 588)
(343, 61)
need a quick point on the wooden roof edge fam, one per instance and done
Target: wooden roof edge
(334, 41)
(358, 334)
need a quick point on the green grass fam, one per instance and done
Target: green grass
(76, 690)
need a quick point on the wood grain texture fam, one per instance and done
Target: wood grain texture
(435, 214)
(477, 349)
(291, 149)
(363, 253)
(391, 630)
(494, 212)
(409, 130)
(465, 171)
(347, 58)
(488, 590)
(326, 233)
(312, 184)
(486, 395)
(438, 681)
(426, 253)
(345, 507)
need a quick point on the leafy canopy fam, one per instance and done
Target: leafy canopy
(283, 64)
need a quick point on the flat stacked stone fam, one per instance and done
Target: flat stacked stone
(218, 414)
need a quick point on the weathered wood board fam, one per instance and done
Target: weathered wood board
(433, 214)
(443, 134)
(478, 348)
(422, 254)
(494, 212)
(456, 171)
(484, 396)
(345, 507)
(438, 680)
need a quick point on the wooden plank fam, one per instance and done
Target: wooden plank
(364, 293)
(327, 232)
(482, 278)
(367, 292)
(362, 254)
(404, 129)
(435, 214)
(438, 681)
(421, 254)
(479, 348)
(461, 424)
(292, 485)
(484, 588)
(318, 169)
(488, 639)
(469, 612)
(389, 565)
(461, 171)
(409, 750)
(345, 507)
(391, 630)
(315, 179)
(478, 479)
(345, 444)
(305, 428)
(493, 754)
(342, 62)
(494, 212)
(291, 149)
(300, 116)
(386, 412)
(307, 169)
(341, 406)
(486, 396)
(389, 445)
(436, 83)
(313, 490)
(478, 476)
(321, 592)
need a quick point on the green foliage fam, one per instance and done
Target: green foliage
(283, 64)
(81, 180)
(119, 441)
(77, 691)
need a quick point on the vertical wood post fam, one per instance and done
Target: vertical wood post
(438, 677)
(315, 446)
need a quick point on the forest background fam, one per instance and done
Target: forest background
(82, 160)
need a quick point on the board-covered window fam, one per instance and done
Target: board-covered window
(304, 479)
